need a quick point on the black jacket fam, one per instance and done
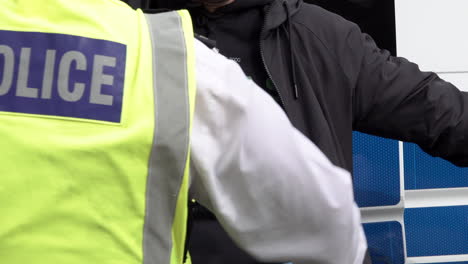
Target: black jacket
(345, 82)
(332, 79)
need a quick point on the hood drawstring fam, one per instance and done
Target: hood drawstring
(293, 61)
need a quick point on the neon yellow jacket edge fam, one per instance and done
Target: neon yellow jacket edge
(77, 190)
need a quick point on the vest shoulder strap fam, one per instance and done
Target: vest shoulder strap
(174, 93)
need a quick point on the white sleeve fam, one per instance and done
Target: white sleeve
(273, 190)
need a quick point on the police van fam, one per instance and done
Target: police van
(414, 207)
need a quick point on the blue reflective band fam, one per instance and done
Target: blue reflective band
(385, 242)
(376, 170)
(61, 75)
(437, 231)
(425, 172)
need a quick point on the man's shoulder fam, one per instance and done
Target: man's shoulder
(325, 25)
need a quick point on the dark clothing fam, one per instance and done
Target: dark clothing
(345, 82)
(333, 79)
(235, 42)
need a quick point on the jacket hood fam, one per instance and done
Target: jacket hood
(239, 5)
(279, 12)
(234, 7)
(276, 9)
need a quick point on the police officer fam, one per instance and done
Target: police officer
(103, 145)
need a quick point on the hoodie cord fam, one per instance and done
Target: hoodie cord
(293, 61)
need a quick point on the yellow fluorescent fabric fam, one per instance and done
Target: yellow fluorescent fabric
(72, 191)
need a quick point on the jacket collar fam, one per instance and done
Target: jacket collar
(277, 15)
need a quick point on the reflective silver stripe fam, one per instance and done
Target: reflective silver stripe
(168, 158)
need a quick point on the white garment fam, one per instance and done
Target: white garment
(273, 190)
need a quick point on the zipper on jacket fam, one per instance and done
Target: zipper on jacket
(264, 62)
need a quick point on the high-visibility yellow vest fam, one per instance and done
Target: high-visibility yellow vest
(96, 102)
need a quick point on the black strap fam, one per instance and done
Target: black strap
(208, 42)
(191, 209)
